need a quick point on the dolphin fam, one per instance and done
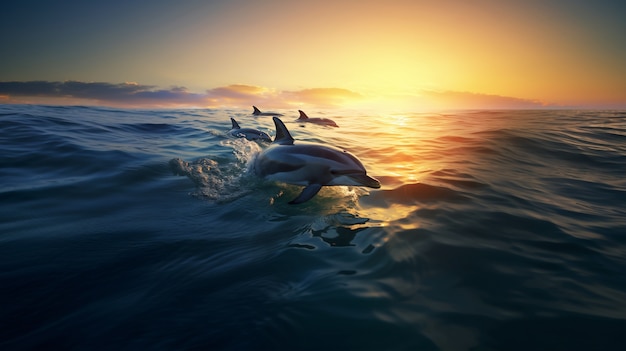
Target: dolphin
(257, 112)
(248, 133)
(323, 121)
(309, 164)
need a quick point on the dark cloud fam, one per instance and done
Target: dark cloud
(102, 93)
(133, 94)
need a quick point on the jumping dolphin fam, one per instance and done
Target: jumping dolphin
(323, 121)
(248, 133)
(308, 164)
(257, 112)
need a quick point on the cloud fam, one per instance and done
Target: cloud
(138, 95)
(131, 94)
(238, 95)
(125, 94)
(238, 91)
(322, 96)
(469, 100)
(246, 95)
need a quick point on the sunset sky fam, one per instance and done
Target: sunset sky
(410, 54)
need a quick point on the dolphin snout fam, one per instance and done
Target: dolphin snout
(365, 180)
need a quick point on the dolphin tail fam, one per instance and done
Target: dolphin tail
(283, 137)
(302, 115)
(256, 111)
(307, 194)
(235, 124)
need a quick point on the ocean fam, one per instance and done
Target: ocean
(136, 229)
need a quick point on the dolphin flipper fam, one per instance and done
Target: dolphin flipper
(307, 193)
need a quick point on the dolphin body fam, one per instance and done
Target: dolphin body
(323, 121)
(308, 164)
(257, 112)
(248, 133)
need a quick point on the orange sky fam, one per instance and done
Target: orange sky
(405, 54)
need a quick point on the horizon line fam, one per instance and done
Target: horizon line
(135, 95)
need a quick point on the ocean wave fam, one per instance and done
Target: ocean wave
(119, 223)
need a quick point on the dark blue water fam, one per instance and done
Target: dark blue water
(144, 230)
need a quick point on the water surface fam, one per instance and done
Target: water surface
(144, 229)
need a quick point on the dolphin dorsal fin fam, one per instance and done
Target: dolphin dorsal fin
(302, 115)
(235, 124)
(282, 134)
(256, 111)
